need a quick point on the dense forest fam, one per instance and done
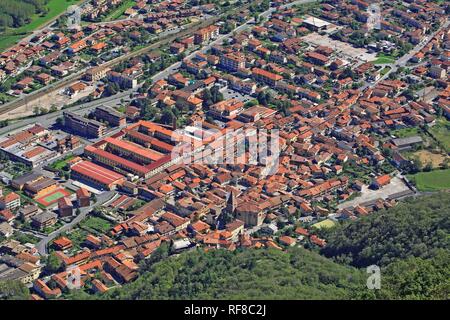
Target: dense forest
(244, 274)
(16, 13)
(416, 227)
(414, 278)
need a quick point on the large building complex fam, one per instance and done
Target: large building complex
(97, 175)
(83, 126)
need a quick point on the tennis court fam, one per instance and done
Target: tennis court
(53, 197)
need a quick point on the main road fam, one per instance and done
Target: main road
(48, 119)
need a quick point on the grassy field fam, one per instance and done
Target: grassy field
(384, 59)
(406, 132)
(426, 156)
(56, 7)
(7, 41)
(96, 224)
(431, 181)
(385, 70)
(441, 132)
(60, 164)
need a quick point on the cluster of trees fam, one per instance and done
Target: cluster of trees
(416, 227)
(212, 96)
(13, 290)
(242, 274)
(16, 13)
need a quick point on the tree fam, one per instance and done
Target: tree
(53, 264)
(167, 116)
(13, 290)
(417, 227)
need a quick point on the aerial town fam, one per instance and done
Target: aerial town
(99, 118)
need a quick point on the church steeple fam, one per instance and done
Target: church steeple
(231, 202)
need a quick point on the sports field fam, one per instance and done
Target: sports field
(327, 223)
(53, 197)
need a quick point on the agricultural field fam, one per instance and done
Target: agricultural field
(431, 181)
(55, 8)
(425, 156)
(441, 132)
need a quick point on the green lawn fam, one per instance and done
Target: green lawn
(96, 225)
(441, 132)
(7, 41)
(384, 58)
(56, 7)
(406, 132)
(431, 181)
(60, 164)
(118, 12)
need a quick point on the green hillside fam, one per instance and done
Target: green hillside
(414, 228)
(246, 274)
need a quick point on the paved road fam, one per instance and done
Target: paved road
(47, 120)
(402, 61)
(41, 246)
(164, 38)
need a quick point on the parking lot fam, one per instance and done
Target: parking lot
(230, 94)
(345, 49)
(397, 185)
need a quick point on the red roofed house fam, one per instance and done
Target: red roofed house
(65, 207)
(83, 198)
(10, 201)
(62, 243)
(380, 181)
